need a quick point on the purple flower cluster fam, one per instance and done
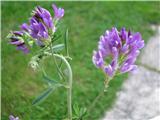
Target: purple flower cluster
(40, 28)
(117, 51)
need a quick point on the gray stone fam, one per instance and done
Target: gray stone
(151, 53)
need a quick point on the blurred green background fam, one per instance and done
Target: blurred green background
(86, 21)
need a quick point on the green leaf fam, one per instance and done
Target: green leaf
(60, 64)
(53, 82)
(43, 96)
(55, 37)
(82, 112)
(79, 112)
(66, 42)
(58, 47)
(9, 35)
(49, 80)
(53, 86)
(76, 109)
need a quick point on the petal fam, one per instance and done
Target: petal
(23, 48)
(115, 52)
(125, 49)
(134, 38)
(25, 27)
(33, 20)
(129, 33)
(109, 70)
(48, 22)
(55, 9)
(130, 60)
(18, 33)
(58, 12)
(42, 27)
(97, 59)
(137, 36)
(46, 14)
(123, 34)
(16, 42)
(104, 52)
(134, 53)
(114, 64)
(115, 37)
(45, 35)
(99, 63)
(133, 68)
(126, 68)
(140, 44)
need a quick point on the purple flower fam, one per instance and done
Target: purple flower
(11, 117)
(44, 16)
(41, 26)
(18, 41)
(40, 29)
(58, 12)
(18, 33)
(111, 68)
(25, 27)
(117, 51)
(98, 59)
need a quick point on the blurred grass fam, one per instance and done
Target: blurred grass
(86, 21)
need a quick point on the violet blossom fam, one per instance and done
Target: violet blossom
(42, 25)
(58, 12)
(40, 29)
(25, 27)
(42, 15)
(117, 51)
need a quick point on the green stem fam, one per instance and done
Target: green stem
(66, 42)
(69, 97)
(43, 70)
(101, 94)
(59, 71)
(95, 101)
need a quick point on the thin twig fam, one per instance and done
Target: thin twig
(95, 101)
